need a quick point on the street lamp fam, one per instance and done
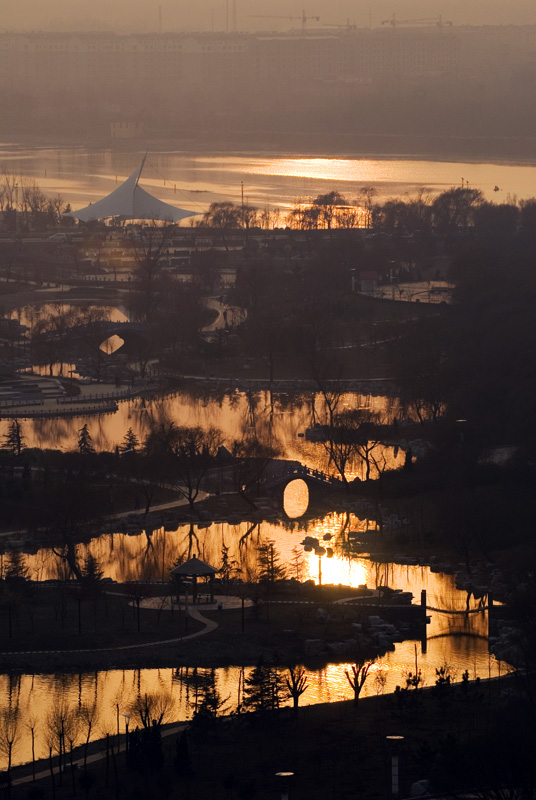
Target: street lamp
(127, 720)
(16, 187)
(284, 783)
(395, 742)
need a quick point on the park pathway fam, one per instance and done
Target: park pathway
(227, 603)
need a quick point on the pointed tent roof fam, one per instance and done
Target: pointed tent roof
(130, 201)
(194, 567)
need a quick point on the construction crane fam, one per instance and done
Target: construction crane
(438, 21)
(304, 18)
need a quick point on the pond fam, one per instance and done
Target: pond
(456, 640)
(105, 696)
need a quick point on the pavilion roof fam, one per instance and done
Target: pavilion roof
(194, 567)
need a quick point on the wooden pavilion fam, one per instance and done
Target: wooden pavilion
(194, 568)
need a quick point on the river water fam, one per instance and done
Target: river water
(276, 419)
(277, 181)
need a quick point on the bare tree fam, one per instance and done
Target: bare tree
(225, 216)
(296, 684)
(9, 735)
(187, 453)
(62, 726)
(150, 251)
(153, 708)
(87, 715)
(358, 676)
(329, 207)
(50, 332)
(353, 433)
(251, 460)
(32, 723)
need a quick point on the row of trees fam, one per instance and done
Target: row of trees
(24, 206)
(266, 689)
(456, 209)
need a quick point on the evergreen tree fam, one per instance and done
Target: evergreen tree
(264, 689)
(130, 442)
(212, 705)
(297, 563)
(91, 571)
(228, 566)
(84, 440)
(270, 567)
(13, 439)
(17, 569)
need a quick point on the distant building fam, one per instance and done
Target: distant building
(126, 130)
(133, 63)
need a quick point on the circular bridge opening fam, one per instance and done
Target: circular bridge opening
(296, 498)
(112, 344)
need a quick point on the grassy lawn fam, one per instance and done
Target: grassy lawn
(61, 617)
(272, 626)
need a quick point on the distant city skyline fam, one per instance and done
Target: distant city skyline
(249, 15)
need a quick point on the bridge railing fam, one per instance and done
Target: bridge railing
(302, 471)
(20, 403)
(78, 399)
(457, 610)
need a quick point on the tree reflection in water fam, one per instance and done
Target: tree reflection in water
(275, 419)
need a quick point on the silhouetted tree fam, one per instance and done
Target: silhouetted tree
(130, 442)
(263, 689)
(356, 677)
(14, 438)
(296, 684)
(84, 440)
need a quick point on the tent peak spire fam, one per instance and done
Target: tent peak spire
(130, 201)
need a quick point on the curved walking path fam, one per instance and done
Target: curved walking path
(227, 602)
(100, 755)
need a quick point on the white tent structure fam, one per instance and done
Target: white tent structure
(130, 201)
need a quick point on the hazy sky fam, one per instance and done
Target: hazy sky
(142, 15)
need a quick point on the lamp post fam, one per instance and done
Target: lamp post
(320, 551)
(394, 743)
(284, 779)
(127, 720)
(16, 187)
(460, 423)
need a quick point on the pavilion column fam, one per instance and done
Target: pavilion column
(212, 588)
